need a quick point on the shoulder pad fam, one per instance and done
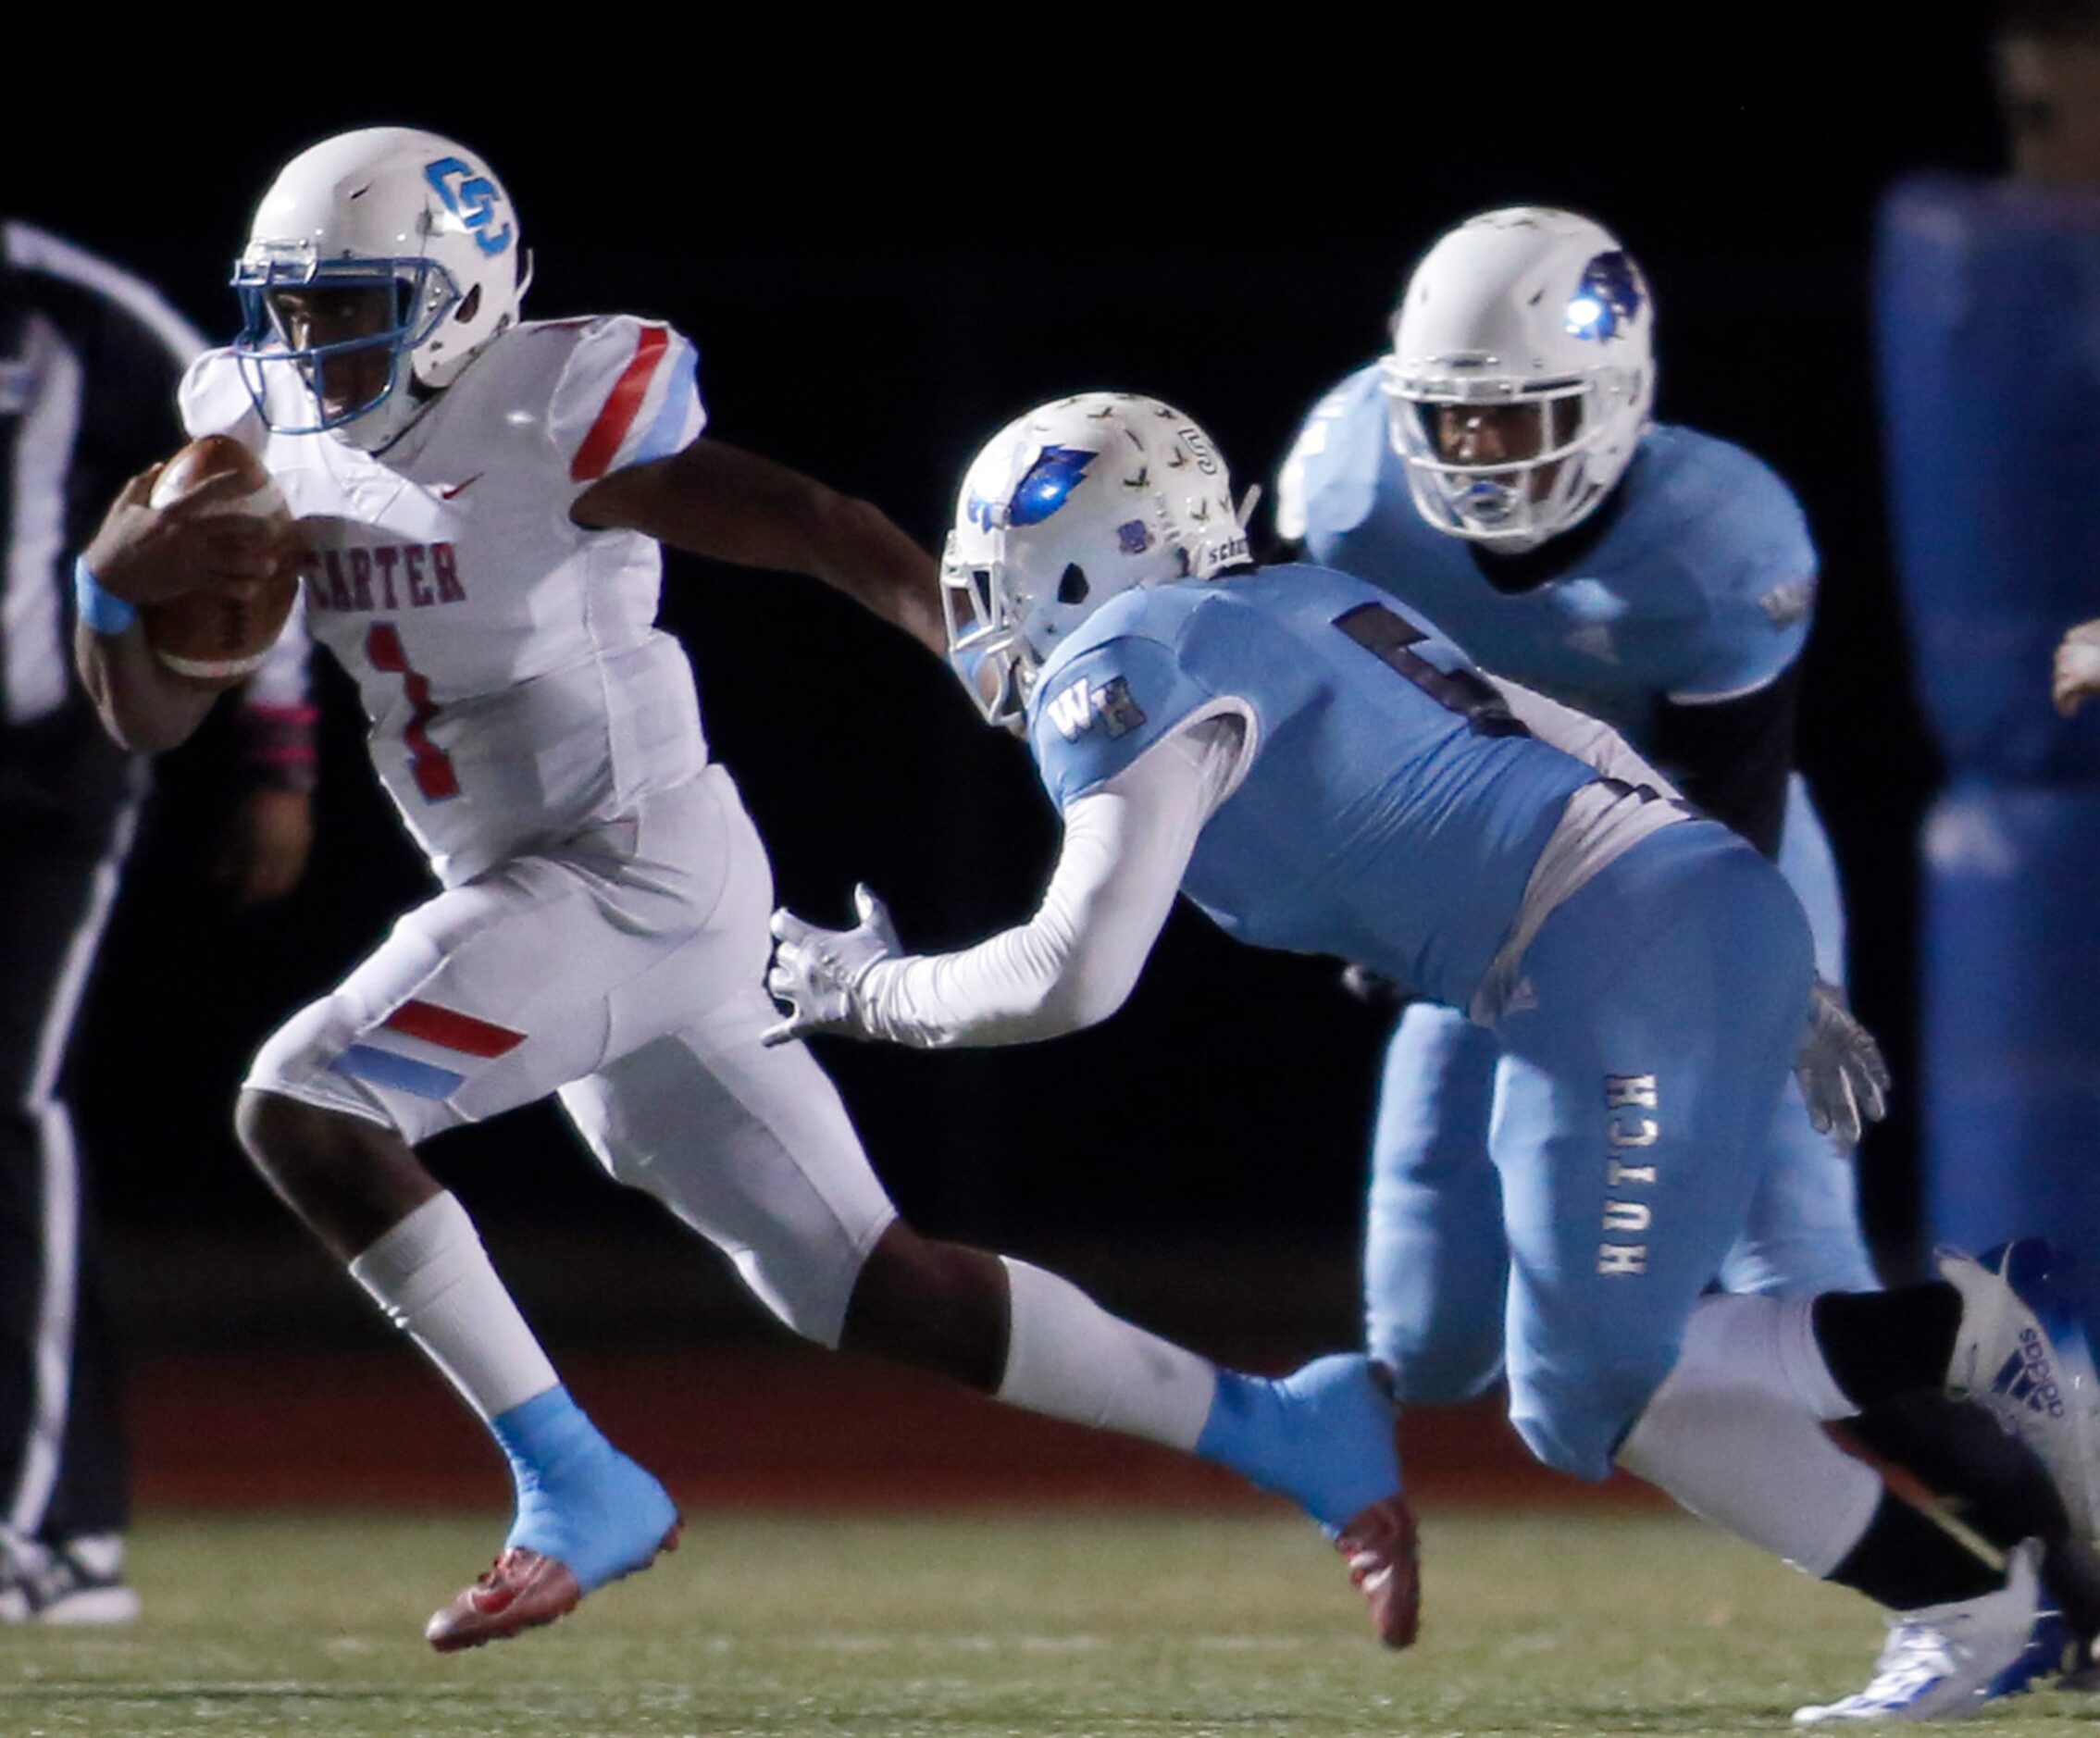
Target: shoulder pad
(1739, 530)
(214, 399)
(1098, 708)
(1327, 483)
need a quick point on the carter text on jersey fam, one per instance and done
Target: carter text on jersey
(382, 577)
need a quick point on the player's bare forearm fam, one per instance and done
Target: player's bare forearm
(727, 505)
(885, 571)
(143, 706)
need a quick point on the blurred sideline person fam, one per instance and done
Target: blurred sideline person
(1323, 772)
(2075, 678)
(1500, 471)
(2046, 57)
(89, 359)
(481, 501)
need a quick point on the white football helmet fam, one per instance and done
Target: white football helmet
(1524, 306)
(1068, 506)
(385, 209)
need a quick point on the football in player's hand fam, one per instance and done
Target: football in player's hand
(219, 635)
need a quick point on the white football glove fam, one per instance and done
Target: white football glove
(1841, 1069)
(816, 971)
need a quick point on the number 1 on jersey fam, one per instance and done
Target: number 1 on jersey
(430, 766)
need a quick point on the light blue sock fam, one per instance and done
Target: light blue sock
(579, 1499)
(538, 1435)
(1322, 1436)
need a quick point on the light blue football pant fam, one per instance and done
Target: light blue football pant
(1436, 1261)
(1627, 1157)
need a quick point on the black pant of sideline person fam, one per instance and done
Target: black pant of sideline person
(68, 807)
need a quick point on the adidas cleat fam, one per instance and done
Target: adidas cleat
(2025, 1352)
(1943, 1662)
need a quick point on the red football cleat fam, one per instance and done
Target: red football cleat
(1385, 1567)
(522, 1590)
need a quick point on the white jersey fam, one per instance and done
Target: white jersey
(518, 689)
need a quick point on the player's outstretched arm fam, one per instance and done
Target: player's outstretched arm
(1074, 962)
(2076, 677)
(1071, 965)
(718, 501)
(145, 555)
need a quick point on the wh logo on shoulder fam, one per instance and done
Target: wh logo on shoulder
(1078, 709)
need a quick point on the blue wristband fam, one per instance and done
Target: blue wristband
(103, 611)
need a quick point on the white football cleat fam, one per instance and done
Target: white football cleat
(1941, 1662)
(2025, 1352)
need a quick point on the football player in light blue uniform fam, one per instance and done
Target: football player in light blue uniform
(1321, 771)
(1499, 471)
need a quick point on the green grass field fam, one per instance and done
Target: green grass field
(1052, 1622)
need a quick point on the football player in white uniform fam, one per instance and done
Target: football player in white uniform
(479, 504)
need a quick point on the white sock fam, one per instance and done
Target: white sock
(434, 1280)
(1068, 1357)
(1730, 1436)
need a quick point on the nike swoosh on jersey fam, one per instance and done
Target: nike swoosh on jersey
(456, 488)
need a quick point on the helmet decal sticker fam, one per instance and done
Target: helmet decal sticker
(1609, 294)
(1050, 481)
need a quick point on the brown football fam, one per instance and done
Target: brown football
(219, 635)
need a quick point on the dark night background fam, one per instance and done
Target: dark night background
(887, 240)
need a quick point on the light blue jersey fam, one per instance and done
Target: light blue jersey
(1695, 581)
(1393, 810)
